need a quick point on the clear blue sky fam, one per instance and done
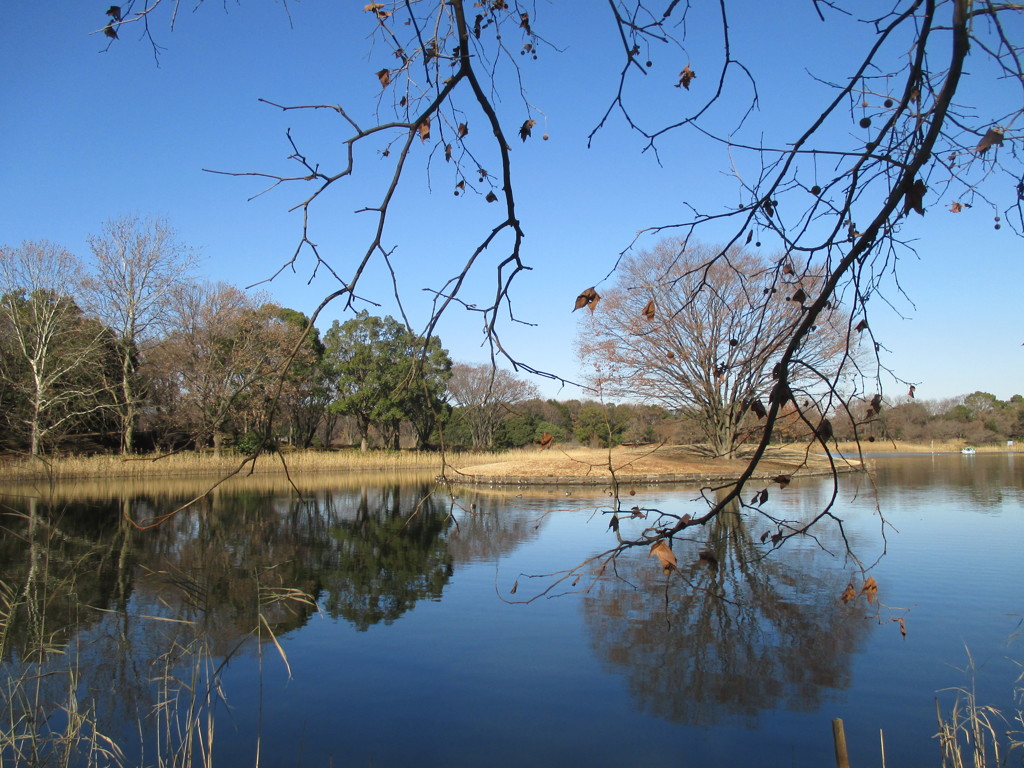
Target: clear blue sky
(90, 135)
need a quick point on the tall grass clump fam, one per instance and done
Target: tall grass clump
(44, 718)
(976, 735)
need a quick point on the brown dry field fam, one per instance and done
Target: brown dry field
(651, 463)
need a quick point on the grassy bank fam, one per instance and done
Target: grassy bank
(200, 464)
(304, 462)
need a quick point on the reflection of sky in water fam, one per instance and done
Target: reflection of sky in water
(466, 675)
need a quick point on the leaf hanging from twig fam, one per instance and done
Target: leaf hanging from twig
(992, 136)
(587, 298)
(384, 75)
(526, 129)
(424, 129)
(649, 310)
(914, 197)
(686, 77)
(665, 556)
(870, 589)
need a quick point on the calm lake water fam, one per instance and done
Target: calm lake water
(416, 650)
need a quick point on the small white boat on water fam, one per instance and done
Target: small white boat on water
(968, 451)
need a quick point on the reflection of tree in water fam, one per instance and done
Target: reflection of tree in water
(736, 638)
(985, 479)
(55, 564)
(388, 556)
(223, 574)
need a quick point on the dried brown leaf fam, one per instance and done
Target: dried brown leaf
(849, 593)
(649, 310)
(587, 298)
(992, 137)
(686, 77)
(463, 129)
(870, 589)
(913, 199)
(424, 129)
(876, 403)
(861, 326)
(666, 556)
(526, 129)
(514, 587)
(384, 75)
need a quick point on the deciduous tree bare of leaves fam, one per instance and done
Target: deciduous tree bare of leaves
(896, 131)
(484, 394)
(138, 266)
(59, 352)
(703, 336)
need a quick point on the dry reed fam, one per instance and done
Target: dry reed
(203, 464)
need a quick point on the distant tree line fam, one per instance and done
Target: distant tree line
(129, 352)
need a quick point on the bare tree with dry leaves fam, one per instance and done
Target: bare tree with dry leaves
(872, 142)
(704, 340)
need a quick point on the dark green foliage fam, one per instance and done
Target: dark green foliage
(515, 431)
(383, 375)
(600, 425)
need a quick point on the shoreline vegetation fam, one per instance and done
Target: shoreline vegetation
(653, 463)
